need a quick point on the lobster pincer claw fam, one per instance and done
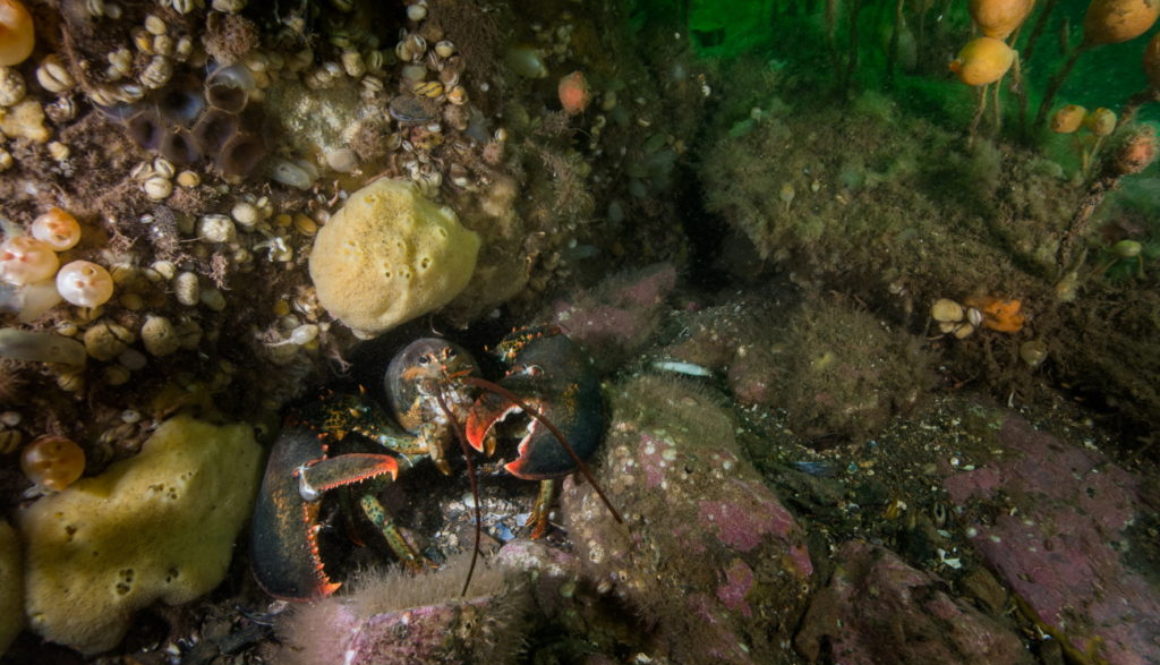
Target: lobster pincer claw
(550, 375)
(284, 529)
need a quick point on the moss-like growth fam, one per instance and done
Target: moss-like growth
(845, 374)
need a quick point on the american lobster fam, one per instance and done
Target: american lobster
(438, 398)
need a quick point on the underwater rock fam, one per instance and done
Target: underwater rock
(843, 374)
(708, 554)
(397, 617)
(11, 586)
(158, 526)
(1067, 528)
(617, 317)
(908, 618)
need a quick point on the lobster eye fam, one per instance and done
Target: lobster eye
(423, 359)
(449, 353)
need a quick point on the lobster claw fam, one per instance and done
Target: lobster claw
(551, 375)
(487, 412)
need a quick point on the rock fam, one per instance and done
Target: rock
(707, 554)
(11, 586)
(877, 609)
(1057, 526)
(395, 617)
(615, 319)
(158, 526)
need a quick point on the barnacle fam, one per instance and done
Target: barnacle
(229, 88)
(84, 284)
(240, 155)
(214, 129)
(17, 34)
(58, 228)
(52, 462)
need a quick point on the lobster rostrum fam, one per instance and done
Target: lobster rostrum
(438, 399)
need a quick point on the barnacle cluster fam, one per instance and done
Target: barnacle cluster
(185, 125)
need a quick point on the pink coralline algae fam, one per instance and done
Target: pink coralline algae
(738, 582)
(708, 554)
(1063, 514)
(907, 619)
(620, 315)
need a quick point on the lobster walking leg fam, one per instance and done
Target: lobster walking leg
(381, 518)
(542, 508)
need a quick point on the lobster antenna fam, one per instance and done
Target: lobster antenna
(515, 399)
(462, 438)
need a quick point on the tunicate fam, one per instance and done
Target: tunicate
(57, 228)
(1033, 352)
(36, 299)
(229, 88)
(213, 298)
(17, 34)
(24, 260)
(84, 284)
(159, 336)
(106, 340)
(40, 347)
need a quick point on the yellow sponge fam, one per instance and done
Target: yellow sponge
(158, 526)
(390, 255)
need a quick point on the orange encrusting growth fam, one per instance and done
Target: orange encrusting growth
(574, 93)
(999, 314)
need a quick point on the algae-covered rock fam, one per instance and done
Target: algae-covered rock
(158, 526)
(844, 374)
(708, 555)
(11, 586)
(390, 255)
